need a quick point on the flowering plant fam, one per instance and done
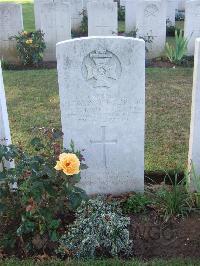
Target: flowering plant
(30, 47)
(35, 212)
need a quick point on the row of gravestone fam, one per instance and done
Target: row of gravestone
(102, 101)
(149, 17)
(56, 18)
(180, 4)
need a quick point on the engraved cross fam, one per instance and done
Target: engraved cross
(104, 142)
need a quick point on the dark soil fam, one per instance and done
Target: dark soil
(159, 63)
(163, 62)
(154, 239)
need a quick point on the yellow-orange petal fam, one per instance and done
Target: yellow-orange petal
(58, 166)
(63, 156)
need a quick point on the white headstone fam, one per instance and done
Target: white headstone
(194, 145)
(5, 138)
(102, 97)
(76, 13)
(102, 18)
(192, 23)
(56, 25)
(181, 5)
(11, 23)
(171, 12)
(85, 2)
(151, 22)
(37, 11)
(130, 15)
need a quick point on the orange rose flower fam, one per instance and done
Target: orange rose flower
(68, 163)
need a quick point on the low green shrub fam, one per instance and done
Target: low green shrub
(175, 53)
(38, 193)
(30, 47)
(173, 200)
(99, 229)
(137, 203)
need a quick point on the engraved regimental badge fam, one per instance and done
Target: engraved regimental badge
(101, 68)
(151, 10)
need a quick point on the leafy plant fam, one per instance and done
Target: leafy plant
(175, 53)
(33, 212)
(99, 229)
(136, 203)
(173, 200)
(4, 64)
(121, 13)
(30, 47)
(84, 23)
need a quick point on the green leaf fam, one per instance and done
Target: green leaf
(37, 144)
(54, 236)
(2, 176)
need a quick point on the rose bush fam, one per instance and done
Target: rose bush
(33, 214)
(30, 47)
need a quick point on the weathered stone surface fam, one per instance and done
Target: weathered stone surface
(11, 23)
(192, 23)
(102, 18)
(5, 138)
(194, 145)
(151, 22)
(55, 23)
(130, 15)
(102, 98)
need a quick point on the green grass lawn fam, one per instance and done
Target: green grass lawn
(33, 100)
(177, 262)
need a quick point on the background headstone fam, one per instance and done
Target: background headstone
(11, 23)
(171, 12)
(192, 23)
(102, 97)
(5, 138)
(122, 3)
(102, 18)
(151, 22)
(181, 5)
(37, 11)
(130, 15)
(194, 146)
(76, 13)
(56, 25)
